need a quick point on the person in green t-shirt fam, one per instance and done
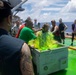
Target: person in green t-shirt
(27, 33)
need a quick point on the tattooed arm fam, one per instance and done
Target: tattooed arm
(26, 61)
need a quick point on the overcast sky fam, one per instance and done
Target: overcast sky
(46, 10)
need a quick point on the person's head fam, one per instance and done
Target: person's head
(29, 18)
(29, 23)
(18, 23)
(45, 27)
(38, 24)
(60, 20)
(53, 22)
(35, 20)
(5, 15)
(74, 21)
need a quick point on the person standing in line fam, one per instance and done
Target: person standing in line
(15, 55)
(35, 24)
(62, 28)
(15, 28)
(21, 27)
(55, 31)
(38, 25)
(73, 31)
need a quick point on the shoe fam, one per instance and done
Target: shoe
(63, 42)
(71, 44)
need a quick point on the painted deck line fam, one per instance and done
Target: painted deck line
(68, 36)
(71, 47)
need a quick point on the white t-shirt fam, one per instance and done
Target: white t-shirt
(36, 26)
(15, 29)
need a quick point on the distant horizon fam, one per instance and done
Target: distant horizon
(69, 24)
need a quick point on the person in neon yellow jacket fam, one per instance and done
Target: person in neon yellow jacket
(45, 39)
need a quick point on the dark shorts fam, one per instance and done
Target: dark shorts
(57, 38)
(62, 35)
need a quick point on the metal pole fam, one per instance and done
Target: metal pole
(15, 13)
(16, 7)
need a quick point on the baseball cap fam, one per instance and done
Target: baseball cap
(5, 9)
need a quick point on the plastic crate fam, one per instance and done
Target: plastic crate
(50, 61)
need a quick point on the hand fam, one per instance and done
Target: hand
(52, 33)
(32, 46)
(40, 28)
(74, 32)
(62, 31)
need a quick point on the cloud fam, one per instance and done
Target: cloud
(70, 7)
(46, 10)
(51, 9)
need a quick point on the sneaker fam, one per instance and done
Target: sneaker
(71, 44)
(63, 42)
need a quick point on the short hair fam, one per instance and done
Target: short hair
(28, 19)
(28, 22)
(35, 19)
(53, 21)
(5, 9)
(60, 19)
(45, 25)
(38, 23)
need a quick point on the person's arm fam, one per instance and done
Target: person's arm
(36, 30)
(73, 26)
(31, 35)
(51, 29)
(56, 28)
(26, 65)
(65, 27)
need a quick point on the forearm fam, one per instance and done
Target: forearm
(54, 31)
(65, 27)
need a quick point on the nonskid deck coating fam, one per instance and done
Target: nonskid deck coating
(71, 70)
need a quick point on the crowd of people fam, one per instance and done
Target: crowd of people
(15, 54)
(57, 30)
(20, 32)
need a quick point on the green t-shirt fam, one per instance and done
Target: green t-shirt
(27, 34)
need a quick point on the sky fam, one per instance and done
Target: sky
(47, 10)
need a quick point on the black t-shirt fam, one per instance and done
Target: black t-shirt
(61, 27)
(10, 49)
